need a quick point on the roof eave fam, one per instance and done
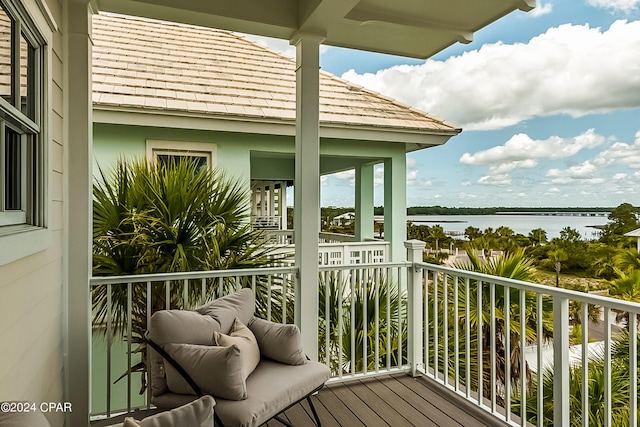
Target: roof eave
(413, 138)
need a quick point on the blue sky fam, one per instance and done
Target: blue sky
(549, 103)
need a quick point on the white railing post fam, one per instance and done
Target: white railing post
(415, 249)
(560, 361)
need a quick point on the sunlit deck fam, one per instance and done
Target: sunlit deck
(390, 400)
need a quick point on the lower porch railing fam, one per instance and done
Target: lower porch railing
(483, 337)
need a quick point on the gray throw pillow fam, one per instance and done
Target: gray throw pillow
(241, 336)
(224, 310)
(216, 370)
(282, 343)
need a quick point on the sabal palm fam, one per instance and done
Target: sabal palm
(361, 302)
(627, 260)
(514, 266)
(619, 369)
(163, 219)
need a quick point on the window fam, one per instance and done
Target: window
(168, 152)
(21, 152)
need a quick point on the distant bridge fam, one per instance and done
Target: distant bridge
(555, 213)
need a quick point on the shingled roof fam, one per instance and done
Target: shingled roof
(143, 64)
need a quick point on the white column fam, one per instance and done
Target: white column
(307, 187)
(415, 250)
(283, 205)
(395, 205)
(364, 202)
(78, 187)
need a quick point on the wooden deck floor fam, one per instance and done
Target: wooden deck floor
(395, 400)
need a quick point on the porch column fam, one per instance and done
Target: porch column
(77, 208)
(395, 205)
(306, 221)
(364, 202)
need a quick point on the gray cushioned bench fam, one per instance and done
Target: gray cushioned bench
(271, 388)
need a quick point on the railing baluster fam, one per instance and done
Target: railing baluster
(523, 361)
(283, 292)
(129, 321)
(148, 353)
(109, 343)
(456, 338)
(185, 294)
(327, 320)
(353, 326)
(269, 297)
(425, 275)
(167, 294)
(492, 343)
(436, 347)
(561, 361)
(388, 283)
(203, 291)
(585, 364)
(539, 333)
(400, 325)
(467, 338)
(633, 369)
(507, 351)
(445, 328)
(607, 367)
(376, 282)
(365, 319)
(340, 291)
(480, 308)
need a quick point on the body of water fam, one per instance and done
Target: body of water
(522, 224)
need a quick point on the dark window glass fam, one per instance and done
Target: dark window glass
(13, 171)
(171, 159)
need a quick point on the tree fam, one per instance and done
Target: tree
(558, 256)
(436, 234)
(624, 218)
(627, 260)
(472, 233)
(165, 219)
(538, 236)
(514, 266)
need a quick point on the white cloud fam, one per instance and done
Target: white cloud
(619, 176)
(521, 149)
(465, 183)
(615, 5)
(508, 167)
(621, 153)
(583, 173)
(497, 180)
(541, 9)
(570, 69)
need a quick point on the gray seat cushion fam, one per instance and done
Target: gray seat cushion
(271, 388)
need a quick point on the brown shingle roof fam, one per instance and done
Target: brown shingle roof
(155, 65)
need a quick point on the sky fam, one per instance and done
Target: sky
(548, 100)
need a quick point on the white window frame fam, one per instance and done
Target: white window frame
(208, 150)
(32, 212)
(27, 237)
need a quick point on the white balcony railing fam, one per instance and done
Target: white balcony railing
(463, 330)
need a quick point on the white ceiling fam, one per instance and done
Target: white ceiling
(414, 28)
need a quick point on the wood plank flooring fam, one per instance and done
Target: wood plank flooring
(394, 400)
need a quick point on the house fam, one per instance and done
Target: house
(46, 141)
(230, 102)
(344, 219)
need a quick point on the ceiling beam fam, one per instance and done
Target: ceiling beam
(314, 15)
(363, 17)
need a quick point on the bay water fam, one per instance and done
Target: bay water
(522, 224)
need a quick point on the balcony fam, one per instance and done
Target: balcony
(405, 341)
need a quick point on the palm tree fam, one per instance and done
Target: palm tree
(354, 298)
(558, 256)
(628, 260)
(515, 266)
(619, 369)
(626, 287)
(538, 236)
(164, 219)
